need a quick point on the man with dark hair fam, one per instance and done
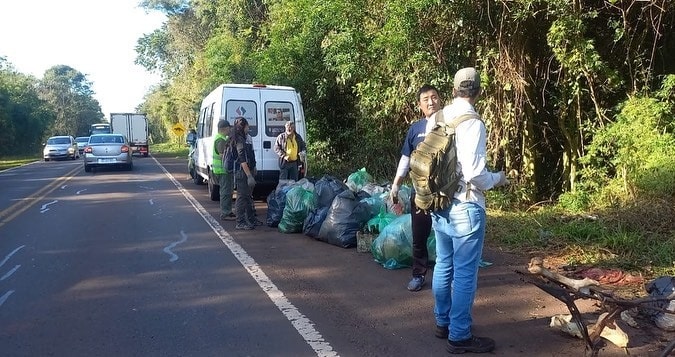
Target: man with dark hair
(429, 102)
(460, 228)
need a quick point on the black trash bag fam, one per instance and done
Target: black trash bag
(325, 190)
(314, 221)
(346, 216)
(299, 202)
(276, 201)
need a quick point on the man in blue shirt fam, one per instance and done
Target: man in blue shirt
(429, 102)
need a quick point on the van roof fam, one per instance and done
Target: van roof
(257, 86)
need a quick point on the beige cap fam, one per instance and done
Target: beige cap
(467, 78)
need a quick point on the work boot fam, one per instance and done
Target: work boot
(474, 345)
(441, 332)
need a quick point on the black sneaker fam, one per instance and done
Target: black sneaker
(416, 283)
(441, 332)
(244, 227)
(473, 345)
(228, 217)
(256, 222)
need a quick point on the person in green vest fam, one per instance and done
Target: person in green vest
(220, 144)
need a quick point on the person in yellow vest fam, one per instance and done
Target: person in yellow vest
(220, 145)
(290, 148)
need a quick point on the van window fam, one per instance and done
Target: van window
(246, 109)
(200, 124)
(276, 115)
(208, 122)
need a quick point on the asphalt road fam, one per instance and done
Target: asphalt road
(118, 263)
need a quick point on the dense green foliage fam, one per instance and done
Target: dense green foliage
(61, 103)
(555, 72)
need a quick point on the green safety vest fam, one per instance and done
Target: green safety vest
(217, 166)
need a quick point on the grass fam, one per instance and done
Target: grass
(583, 239)
(169, 150)
(14, 161)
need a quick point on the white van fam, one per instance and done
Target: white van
(266, 108)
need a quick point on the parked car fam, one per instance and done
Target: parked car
(81, 143)
(60, 147)
(107, 150)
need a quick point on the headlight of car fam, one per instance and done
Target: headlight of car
(45, 150)
(71, 150)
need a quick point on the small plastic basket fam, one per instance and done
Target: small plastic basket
(364, 241)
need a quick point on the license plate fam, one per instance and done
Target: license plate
(106, 161)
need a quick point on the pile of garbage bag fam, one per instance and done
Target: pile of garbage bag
(334, 211)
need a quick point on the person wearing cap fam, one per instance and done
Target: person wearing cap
(460, 228)
(290, 148)
(220, 146)
(429, 102)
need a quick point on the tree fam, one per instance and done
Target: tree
(70, 96)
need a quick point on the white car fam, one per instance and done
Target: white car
(60, 147)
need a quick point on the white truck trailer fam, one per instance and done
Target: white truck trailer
(135, 127)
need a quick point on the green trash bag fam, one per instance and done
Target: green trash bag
(299, 202)
(376, 224)
(393, 246)
(358, 179)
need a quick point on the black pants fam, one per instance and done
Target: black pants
(421, 228)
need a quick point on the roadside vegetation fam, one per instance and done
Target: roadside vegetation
(579, 102)
(9, 162)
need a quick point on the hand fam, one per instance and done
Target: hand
(394, 193)
(503, 181)
(251, 181)
(303, 156)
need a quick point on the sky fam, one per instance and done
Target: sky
(95, 37)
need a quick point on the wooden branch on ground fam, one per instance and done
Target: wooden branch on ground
(536, 266)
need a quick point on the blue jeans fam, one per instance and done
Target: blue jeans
(460, 231)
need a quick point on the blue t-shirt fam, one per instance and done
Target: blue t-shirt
(416, 134)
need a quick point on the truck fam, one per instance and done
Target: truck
(135, 127)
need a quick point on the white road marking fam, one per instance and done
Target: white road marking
(45, 206)
(9, 273)
(64, 186)
(5, 297)
(152, 202)
(10, 255)
(78, 192)
(168, 251)
(302, 324)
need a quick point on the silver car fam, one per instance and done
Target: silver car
(60, 147)
(81, 143)
(107, 150)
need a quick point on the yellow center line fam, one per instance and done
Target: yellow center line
(16, 209)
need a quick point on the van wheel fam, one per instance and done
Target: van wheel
(214, 190)
(196, 178)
